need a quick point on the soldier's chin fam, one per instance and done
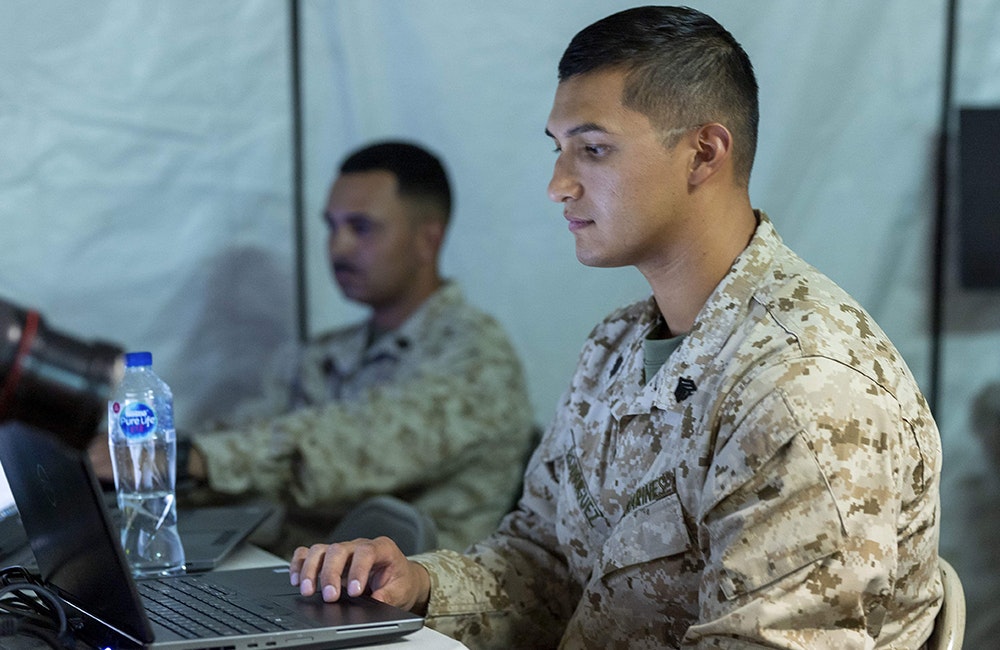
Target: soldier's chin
(597, 261)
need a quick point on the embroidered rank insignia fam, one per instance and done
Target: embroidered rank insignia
(685, 389)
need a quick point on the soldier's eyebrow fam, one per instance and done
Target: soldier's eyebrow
(586, 127)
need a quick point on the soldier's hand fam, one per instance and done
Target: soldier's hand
(100, 458)
(373, 565)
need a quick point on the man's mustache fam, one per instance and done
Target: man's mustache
(340, 266)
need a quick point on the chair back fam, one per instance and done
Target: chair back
(949, 626)
(412, 530)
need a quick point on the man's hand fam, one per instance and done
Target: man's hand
(376, 565)
(100, 457)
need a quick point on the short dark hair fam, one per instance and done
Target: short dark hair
(682, 69)
(419, 173)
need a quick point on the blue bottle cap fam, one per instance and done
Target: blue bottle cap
(134, 359)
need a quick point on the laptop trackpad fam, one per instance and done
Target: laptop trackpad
(272, 584)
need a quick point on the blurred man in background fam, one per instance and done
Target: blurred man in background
(424, 400)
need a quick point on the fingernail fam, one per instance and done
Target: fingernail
(354, 588)
(306, 587)
(294, 577)
(329, 593)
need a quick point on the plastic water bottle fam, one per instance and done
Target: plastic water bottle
(144, 455)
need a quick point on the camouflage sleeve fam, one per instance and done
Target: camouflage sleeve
(806, 493)
(391, 437)
(512, 590)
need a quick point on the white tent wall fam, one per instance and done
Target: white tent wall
(146, 186)
(144, 183)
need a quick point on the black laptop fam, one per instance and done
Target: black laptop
(79, 555)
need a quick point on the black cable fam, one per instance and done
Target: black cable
(27, 607)
(14, 626)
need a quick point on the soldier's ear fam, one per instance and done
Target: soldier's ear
(713, 145)
(430, 237)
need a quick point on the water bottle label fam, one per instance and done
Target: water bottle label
(137, 420)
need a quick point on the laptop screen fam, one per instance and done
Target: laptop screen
(70, 532)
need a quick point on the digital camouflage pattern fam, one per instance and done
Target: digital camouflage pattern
(775, 485)
(435, 412)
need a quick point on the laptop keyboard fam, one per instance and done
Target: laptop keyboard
(194, 607)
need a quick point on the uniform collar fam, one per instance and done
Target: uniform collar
(354, 350)
(725, 309)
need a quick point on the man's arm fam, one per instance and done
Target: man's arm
(823, 523)
(465, 405)
(511, 590)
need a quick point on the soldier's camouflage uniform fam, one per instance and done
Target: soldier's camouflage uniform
(435, 412)
(774, 485)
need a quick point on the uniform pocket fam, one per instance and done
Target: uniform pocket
(782, 520)
(655, 530)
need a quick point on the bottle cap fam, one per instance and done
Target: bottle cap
(134, 359)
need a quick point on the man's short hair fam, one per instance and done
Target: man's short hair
(683, 69)
(419, 173)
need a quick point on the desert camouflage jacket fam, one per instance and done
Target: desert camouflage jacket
(775, 485)
(435, 412)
